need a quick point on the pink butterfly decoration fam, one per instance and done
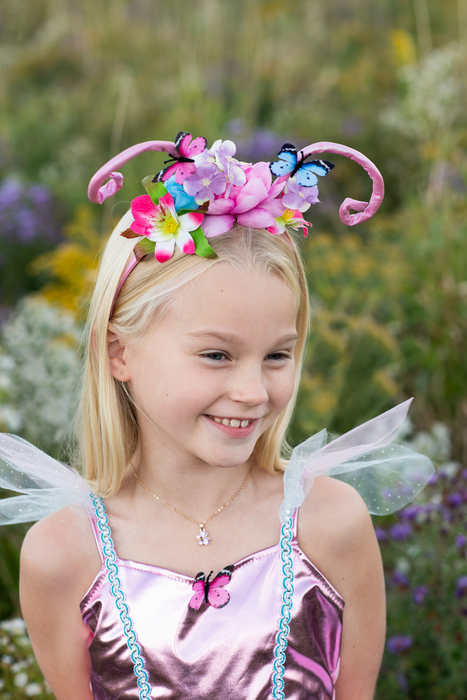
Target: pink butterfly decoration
(211, 592)
(184, 165)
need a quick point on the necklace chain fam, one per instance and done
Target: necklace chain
(203, 537)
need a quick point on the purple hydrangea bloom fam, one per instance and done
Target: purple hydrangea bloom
(419, 594)
(461, 541)
(398, 644)
(205, 183)
(461, 586)
(400, 531)
(400, 579)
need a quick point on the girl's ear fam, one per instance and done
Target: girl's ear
(116, 351)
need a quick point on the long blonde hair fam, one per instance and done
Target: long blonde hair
(107, 428)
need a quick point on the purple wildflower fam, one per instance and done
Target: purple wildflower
(461, 586)
(454, 500)
(419, 594)
(403, 682)
(380, 534)
(400, 579)
(400, 531)
(411, 511)
(461, 541)
(398, 644)
(26, 213)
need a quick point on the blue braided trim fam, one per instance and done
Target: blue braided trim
(117, 592)
(284, 620)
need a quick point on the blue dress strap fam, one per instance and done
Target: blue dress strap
(288, 533)
(110, 560)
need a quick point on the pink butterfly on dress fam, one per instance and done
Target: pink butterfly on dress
(184, 165)
(211, 592)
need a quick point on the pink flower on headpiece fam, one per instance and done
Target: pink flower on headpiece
(299, 197)
(161, 224)
(255, 204)
(289, 219)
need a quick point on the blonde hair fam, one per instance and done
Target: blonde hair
(108, 429)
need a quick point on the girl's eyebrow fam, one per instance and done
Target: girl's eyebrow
(233, 339)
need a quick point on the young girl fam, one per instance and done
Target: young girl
(178, 579)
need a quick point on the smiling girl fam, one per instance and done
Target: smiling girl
(178, 579)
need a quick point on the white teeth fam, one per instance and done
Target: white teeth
(232, 422)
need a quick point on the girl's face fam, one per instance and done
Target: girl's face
(217, 370)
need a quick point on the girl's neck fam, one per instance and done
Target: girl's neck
(194, 487)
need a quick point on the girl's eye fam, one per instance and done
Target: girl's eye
(215, 356)
(277, 356)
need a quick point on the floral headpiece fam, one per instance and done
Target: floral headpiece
(202, 192)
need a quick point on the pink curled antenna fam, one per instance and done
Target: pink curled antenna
(98, 192)
(366, 209)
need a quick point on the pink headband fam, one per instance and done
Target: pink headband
(203, 192)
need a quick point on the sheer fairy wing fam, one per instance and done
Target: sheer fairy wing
(387, 476)
(46, 484)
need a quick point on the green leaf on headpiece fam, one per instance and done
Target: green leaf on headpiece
(144, 247)
(155, 190)
(202, 247)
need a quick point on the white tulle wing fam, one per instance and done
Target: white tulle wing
(46, 483)
(386, 476)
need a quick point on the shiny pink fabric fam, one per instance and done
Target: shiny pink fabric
(210, 654)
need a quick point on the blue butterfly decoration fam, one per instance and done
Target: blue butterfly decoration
(293, 163)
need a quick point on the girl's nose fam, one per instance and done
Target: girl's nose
(248, 387)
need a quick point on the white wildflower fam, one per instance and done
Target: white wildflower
(14, 626)
(18, 666)
(21, 680)
(43, 340)
(33, 689)
(7, 659)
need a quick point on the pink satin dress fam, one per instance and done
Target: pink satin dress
(211, 653)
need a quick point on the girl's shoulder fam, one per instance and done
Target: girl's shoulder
(336, 532)
(60, 549)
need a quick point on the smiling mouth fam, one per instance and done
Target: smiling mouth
(232, 422)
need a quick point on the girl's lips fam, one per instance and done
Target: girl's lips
(241, 431)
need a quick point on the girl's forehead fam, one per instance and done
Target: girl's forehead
(227, 298)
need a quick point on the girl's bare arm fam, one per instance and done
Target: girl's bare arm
(59, 560)
(337, 533)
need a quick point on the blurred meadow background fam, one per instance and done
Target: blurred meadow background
(82, 80)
